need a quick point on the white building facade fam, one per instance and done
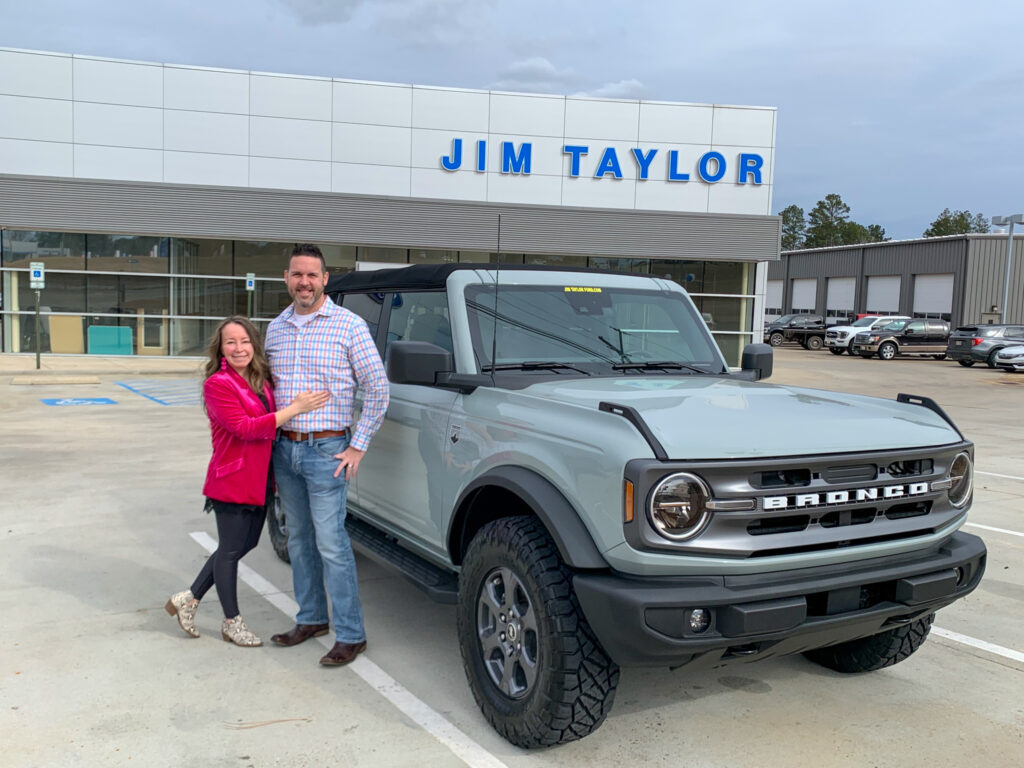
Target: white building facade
(151, 191)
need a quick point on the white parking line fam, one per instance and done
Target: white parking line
(404, 700)
(997, 530)
(956, 637)
(996, 474)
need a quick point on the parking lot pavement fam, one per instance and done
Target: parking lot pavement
(96, 513)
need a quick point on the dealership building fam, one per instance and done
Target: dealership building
(160, 198)
(961, 278)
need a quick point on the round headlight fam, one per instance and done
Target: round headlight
(678, 508)
(961, 476)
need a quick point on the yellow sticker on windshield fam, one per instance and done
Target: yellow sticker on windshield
(581, 289)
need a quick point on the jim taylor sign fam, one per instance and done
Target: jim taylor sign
(710, 167)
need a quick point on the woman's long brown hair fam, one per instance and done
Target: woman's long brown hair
(257, 373)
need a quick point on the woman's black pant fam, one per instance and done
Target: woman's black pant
(238, 531)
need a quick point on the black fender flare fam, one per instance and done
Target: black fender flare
(559, 517)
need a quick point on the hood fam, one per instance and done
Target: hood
(704, 417)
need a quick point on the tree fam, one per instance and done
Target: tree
(794, 227)
(956, 223)
(827, 221)
(876, 234)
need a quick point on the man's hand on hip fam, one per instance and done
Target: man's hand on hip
(349, 461)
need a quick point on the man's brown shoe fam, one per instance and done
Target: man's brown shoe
(342, 653)
(299, 634)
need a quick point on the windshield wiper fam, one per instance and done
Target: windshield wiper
(658, 365)
(533, 365)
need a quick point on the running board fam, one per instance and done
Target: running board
(441, 585)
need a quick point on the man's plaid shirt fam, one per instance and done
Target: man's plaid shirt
(333, 351)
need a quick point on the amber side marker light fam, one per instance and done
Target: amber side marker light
(627, 510)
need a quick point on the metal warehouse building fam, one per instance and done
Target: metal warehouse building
(960, 278)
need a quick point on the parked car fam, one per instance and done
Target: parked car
(1011, 359)
(838, 337)
(782, 329)
(903, 337)
(568, 460)
(970, 344)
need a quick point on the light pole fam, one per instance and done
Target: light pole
(1007, 221)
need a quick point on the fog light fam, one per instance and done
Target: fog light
(700, 620)
(959, 575)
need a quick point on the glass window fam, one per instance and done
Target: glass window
(63, 293)
(485, 257)
(588, 328)
(619, 264)
(202, 257)
(689, 274)
(368, 306)
(57, 250)
(127, 253)
(555, 260)
(117, 294)
(725, 313)
(384, 255)
(728, 277)
(262, 259)
(423, 256)
(420, 317)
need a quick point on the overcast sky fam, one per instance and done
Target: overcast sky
(902, 108)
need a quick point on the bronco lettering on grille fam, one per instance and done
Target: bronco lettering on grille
(854, 496)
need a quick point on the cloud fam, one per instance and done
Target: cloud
(620, 89)
(535, 75)
(316, 12)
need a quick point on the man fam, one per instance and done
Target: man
(314, 345)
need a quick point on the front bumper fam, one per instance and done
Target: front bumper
(863, 349)
(645, 622)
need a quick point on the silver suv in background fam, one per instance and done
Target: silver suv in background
(838, 337)
(970, 344)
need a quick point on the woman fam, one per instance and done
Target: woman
(239, 399)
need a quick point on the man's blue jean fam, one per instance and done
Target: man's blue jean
(313, 501)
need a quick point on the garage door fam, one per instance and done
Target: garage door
(805, 294)
(883, 294)
(933, 296)
(840, 293)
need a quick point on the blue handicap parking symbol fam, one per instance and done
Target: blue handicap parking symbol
(78, 401)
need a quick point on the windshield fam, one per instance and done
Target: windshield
(593, 329)
(896, 325)
(864, 321)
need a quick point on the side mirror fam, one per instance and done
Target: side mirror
(428, 365)
(758, 360)
(417, 362)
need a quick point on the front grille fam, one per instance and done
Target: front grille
(817, 503)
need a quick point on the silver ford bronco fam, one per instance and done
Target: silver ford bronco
(568, 459)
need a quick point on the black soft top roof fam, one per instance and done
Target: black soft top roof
(424, 277)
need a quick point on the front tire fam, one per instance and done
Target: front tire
(776, 339)
(991, 361)
(875, 652)
(966, 363)
(887, 351)
(277, 529)
(537, 672)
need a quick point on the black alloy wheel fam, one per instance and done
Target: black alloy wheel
(277, 529)
(966, 363)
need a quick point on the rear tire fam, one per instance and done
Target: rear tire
(939, 357)
(966, 363)
(535, 668)
(814, 343)
(876, 652)
(277, 529)
(888, 351)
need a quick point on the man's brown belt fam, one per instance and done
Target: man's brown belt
(301, 437)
